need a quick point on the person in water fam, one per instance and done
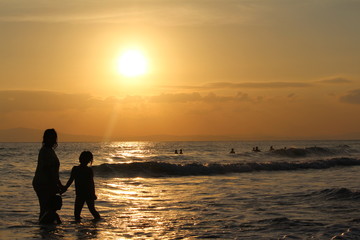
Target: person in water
(256, 149)
(84, 185)
(46, 182)
(232, 151)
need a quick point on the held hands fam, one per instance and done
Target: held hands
(62, 189)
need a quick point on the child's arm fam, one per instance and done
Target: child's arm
(92, 184)
(71, 179)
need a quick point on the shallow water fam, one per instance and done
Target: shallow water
(178, 197)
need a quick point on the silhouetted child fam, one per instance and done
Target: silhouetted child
(84, 185)
(50, 216)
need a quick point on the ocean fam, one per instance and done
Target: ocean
(300, 190)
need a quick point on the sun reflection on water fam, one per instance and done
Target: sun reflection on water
(128, 152)
(138, 208)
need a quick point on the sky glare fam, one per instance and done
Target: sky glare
(260, 69)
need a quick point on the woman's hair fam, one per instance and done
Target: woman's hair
(86, 157)
(50, 138)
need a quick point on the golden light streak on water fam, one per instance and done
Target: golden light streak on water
(142, 207)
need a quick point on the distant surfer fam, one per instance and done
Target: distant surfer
(181, 151)
(232, 151)
(271, 148)
(176, 152)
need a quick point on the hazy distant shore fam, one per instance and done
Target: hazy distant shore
(35, 135)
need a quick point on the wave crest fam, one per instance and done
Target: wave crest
(311, 151)
(336, 194)
(161, 169)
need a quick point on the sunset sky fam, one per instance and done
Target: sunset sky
(256, 69)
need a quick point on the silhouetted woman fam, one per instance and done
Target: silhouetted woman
(46, 181)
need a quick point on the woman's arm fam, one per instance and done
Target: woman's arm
(49, 164)
(55, 171)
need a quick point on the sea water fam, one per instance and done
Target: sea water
(301, 190)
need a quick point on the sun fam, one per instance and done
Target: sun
(132, 63)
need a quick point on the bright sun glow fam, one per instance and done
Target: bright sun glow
(132, 63)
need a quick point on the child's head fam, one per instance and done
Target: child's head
(86, 157)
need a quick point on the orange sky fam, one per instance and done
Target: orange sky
(254, 69)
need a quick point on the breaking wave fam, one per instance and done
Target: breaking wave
(336, 194)
(311, 151)
(162, 169)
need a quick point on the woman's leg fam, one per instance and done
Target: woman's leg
(91, 205)
(79, 203)
(43, 202)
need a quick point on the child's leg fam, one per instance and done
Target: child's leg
(79, 203)
(91, 205)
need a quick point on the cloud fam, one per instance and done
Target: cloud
(180, 13)
(336, 80)
(291, 95)
(249, 85)
(48, 101)
(157, 12)
(179, 97)
(19, 100)
(258, 85)
(352, 97)
(197, 97)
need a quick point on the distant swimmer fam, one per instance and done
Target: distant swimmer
(271, 148)
(181, 151)
(232, 151)
(256, 149)
(176, 152)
